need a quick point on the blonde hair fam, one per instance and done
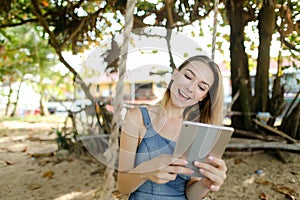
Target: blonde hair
(210, 109)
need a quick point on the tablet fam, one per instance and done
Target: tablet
(198, 140)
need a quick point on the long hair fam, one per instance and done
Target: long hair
(210, 109)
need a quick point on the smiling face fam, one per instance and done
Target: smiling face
(191, 84)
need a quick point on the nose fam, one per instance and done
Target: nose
(191, 86)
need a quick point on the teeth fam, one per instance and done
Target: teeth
(184, 95)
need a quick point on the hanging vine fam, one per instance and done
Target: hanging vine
(111, 152)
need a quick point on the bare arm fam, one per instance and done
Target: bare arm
(195, 189)
(215, 175)
(161, 169)
(128, 145)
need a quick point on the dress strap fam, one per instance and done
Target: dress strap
(146, 117)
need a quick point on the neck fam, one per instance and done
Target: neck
(171, 111)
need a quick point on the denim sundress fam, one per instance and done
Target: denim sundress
(151, 146)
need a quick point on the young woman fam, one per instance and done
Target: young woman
(147, 169)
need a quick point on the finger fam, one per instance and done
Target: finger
(163, 177)
(196, 178)
(207, 167)
(209, 184)
(167, 176)
(159, 181)
(178, 170)
(178, 162)
(171, 160)
(211, 172)
(216, 178)
(217, 162)
(220, 171)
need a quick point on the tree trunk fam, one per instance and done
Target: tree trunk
(266, 25)
(239, 65)
(168, 39)
(170, 23)
(17, 100)
(291, 123)
(276, 105)
(8, 97)
(245, 104)
(43, 109)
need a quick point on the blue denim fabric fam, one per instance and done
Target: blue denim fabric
(153, 145)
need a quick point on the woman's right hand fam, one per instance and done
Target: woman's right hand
(164, 168)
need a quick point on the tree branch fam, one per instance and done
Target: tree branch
(43, 23)
(75, 32)
(290, 45)
(285, 42)
(57, 48)
(169, 9)
(273, 130)
(238, 143)
(18, 24)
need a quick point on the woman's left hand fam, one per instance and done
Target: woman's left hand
(214, 171)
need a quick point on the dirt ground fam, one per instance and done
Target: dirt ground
(30, 170)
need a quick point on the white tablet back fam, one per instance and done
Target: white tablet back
(197, 140)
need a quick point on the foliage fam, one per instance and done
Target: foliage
(76, 25)
(15, 57)
(32, 58)
(65, 138)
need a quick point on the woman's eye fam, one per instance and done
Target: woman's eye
(201, 88)
(187, 76)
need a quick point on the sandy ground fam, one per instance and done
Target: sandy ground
(28, 170)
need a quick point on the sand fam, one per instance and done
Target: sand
(30, 168)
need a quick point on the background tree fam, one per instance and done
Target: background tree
(76, 25)
(238, 18)
(266, 14)
(31, 55)
(266, 27)
(288, 29)
(43, 58)
(73, 26)
(15, 63)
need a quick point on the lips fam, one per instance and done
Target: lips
(182, 95)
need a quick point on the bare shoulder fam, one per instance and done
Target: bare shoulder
(133, 121)
(133, 115)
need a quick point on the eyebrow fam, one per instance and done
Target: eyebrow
(195, 75)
